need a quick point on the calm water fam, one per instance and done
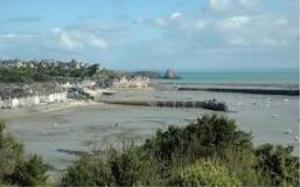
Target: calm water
(285, 77)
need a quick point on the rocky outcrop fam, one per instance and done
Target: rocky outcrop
(170, 74)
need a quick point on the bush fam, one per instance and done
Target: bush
(29, 173)
(114, 168)
(10, 152)
(204, 173)
(278, 164)
(210, 136)
(88, 171)
(14, 168)
(124, 166)
(241, 164)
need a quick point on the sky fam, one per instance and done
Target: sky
(156, 34)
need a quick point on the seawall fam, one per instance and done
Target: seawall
(211, 105)
(287, 92)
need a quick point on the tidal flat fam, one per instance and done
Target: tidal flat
(96, 126)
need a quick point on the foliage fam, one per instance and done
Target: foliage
(88, 171)
(278, 164)
(29, 173)
(204, 173)
(115, 168)
(14, 167)
(210, 136)
(10, 152)
(41, 73)
(209, 152)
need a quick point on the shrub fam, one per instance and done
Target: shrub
(210, 136)
(89, 170)
(114, 168)
(10, 152)
(204, 173)
(241, 164)
(14, 168)
(29, 173)
(124, 166)
(278, 164)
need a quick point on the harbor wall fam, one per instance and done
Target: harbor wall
(293, 92)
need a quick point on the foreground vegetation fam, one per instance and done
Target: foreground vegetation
(209, 152)
(15, 167)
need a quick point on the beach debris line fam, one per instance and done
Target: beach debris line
(210, 104)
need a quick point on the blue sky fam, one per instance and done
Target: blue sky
(156, 34)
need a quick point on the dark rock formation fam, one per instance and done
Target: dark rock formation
(170, 74)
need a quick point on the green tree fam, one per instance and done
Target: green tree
(29, 173)
(10, 152)
(210, 136)
(14, 167)
(89, 170)
(204, 173)
(114, 168)
(278, 163)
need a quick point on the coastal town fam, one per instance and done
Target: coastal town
(48, 82)
(60, 88)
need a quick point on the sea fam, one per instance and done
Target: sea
(55, 134)
(282, 78)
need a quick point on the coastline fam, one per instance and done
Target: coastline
(83, 126)
(39, 109)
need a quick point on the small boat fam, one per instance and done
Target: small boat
(108, 92)
(190, 119)
(56, 125)
(288, 131)
(274, 115)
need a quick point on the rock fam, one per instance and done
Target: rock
(170, 74)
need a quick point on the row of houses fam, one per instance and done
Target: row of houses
(43, 63)
(135, 82)
(12, 96)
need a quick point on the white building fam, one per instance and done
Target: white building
(33, 100)
(136, 82)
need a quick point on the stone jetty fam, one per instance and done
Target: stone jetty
(287, 92)
(211, 104)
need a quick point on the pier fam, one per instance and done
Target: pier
(287, 92)
(211, 104)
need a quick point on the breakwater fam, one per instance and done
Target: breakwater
(211, 104)
(287, 92)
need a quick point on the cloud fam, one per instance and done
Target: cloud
(259, 31)
(22, 19)
(201, 24)
(234, 22)
(229, 5)
(238, 41)
(175, 16)
(73, 39)
(160, 22)
(235, 31)
(14, 36)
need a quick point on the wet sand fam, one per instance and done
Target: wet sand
(92, 127)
